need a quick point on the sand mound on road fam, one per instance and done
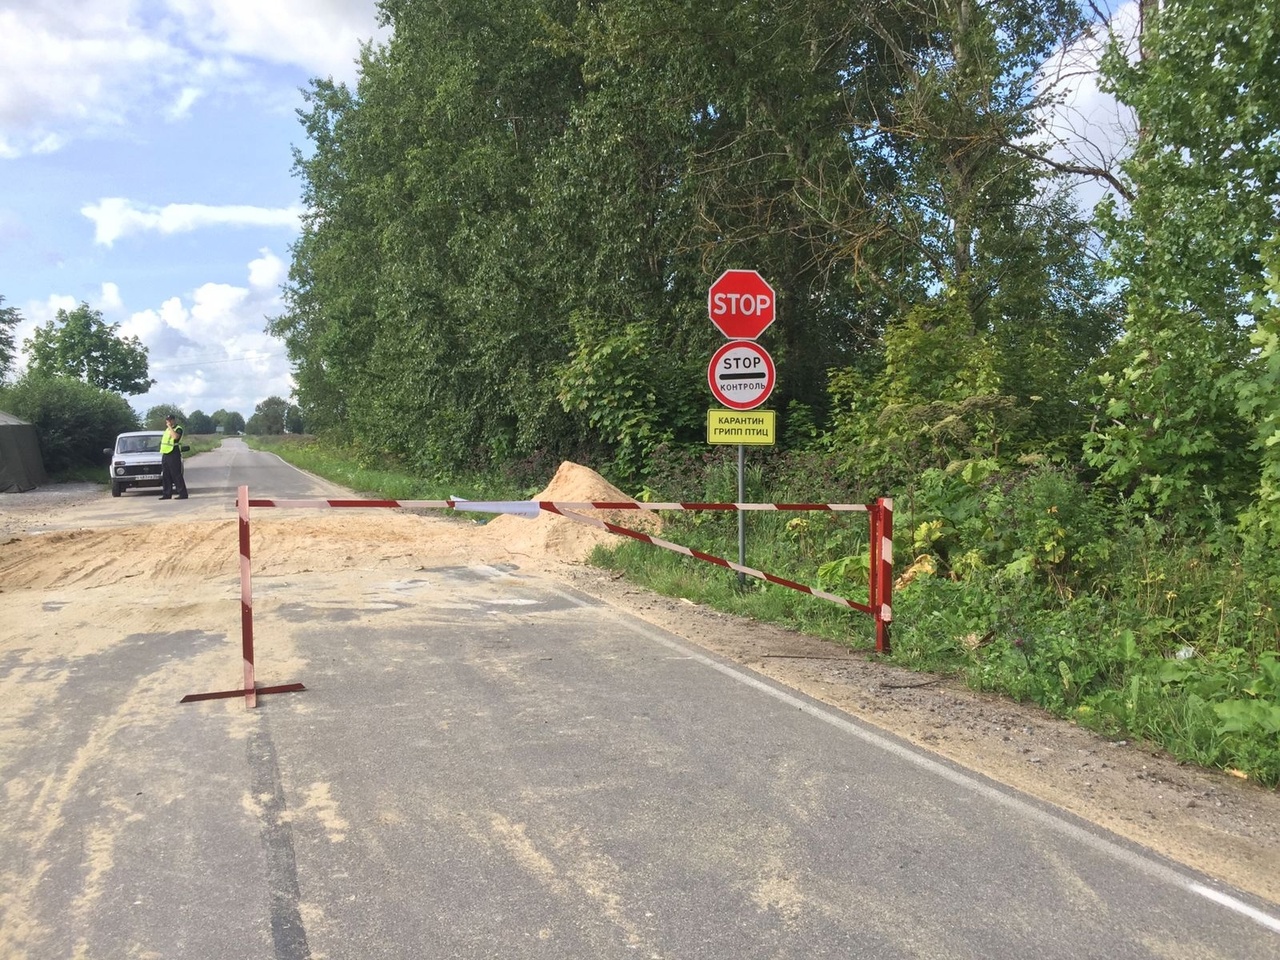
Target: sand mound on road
(298, 541)
(560, 538)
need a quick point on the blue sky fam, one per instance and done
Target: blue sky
(146, 169)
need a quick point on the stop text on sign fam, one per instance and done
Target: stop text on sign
(741, 304)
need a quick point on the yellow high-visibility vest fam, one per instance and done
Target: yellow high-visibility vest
(169, 442)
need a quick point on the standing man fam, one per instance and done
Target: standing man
(171, 478)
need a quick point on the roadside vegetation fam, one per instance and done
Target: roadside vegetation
(1076, 412)
(1024, 583)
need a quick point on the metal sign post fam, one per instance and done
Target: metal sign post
(742, 516)
(741, 375)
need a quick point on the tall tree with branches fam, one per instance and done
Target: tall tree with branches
(1178, 407)
(79, 343)
(9, 320)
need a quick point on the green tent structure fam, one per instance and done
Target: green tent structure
(21, 466)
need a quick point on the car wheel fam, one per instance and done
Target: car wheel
(117, 489)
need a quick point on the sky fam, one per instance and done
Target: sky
(146, 155)
(1089, 126)
(146, 169)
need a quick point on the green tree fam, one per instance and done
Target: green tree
(80, 344)
(231, 423)
(517, 212)
(995, 304)
(155, 416)
(9, 319)
(269, 416)
(328, 325)
(75, 421)
(411, 294)
(1180, 395)
(711, 136)
(1258, 393)
(200, 422)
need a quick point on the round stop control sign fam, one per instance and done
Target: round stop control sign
(741, 374)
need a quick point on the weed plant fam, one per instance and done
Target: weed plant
(1110, 618)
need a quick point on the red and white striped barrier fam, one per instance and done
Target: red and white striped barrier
(246, 599)
(699, 555)
(531, 508)
(880, 587)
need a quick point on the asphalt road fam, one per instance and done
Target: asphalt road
(486, 764)
(216, 475)
(212, 481)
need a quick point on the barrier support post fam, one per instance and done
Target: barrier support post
(882, 570)
(251, 689)
(246, 599)
(873, 565)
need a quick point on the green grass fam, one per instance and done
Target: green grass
(675, 575)
(350, 468)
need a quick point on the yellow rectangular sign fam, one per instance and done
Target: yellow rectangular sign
(749, 427)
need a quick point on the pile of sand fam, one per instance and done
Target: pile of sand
(560, 538)
(291, 541)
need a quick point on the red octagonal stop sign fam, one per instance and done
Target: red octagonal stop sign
(741, 304)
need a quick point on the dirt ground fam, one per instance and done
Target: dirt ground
(52, 544)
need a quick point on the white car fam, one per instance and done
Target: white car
(135, 460)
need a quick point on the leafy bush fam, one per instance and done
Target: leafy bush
(1112, 619)
(75, 421)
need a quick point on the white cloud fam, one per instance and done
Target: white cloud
(70, 68)
(322, 36)
(217, 312)
(49, 143)
(181, 107)
(49, 309)
(267, 272)
(147, 325)
(110, 299)
(1090, 127)
(116, 217)
(73, 64)
(208, 350)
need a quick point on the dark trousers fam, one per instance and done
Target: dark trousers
(171, 478)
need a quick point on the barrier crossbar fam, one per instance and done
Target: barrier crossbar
(531, 507)
(879, 587)
(880, 513)
(708, 558)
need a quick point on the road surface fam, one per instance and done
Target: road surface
(487, 763)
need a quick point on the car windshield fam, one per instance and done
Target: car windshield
(139, 445)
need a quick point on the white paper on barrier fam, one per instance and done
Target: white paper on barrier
(528, 509)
